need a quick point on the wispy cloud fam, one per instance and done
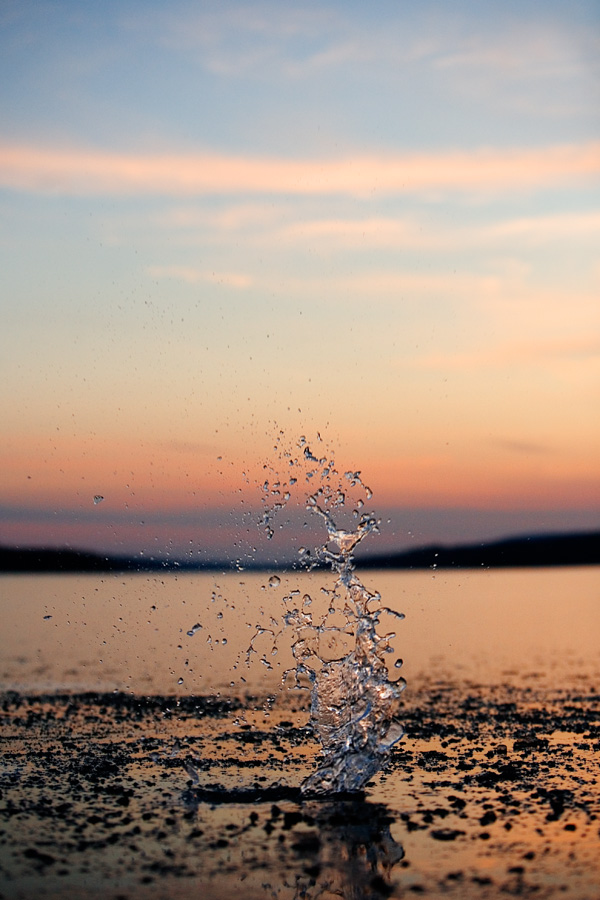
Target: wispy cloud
(380, 285)
(539, 229)
(563, 350)
(263, 38)
(93, 173)
(403, 233)
(370, 232)
(526, 448)
(232, 218)
(521, 48)
(191, 275)
(293, 226)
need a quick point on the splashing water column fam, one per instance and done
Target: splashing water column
(353, 702)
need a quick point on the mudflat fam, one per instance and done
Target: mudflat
(493, 792)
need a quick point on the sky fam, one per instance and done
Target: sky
(225, 226)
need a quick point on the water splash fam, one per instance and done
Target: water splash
(341, 653)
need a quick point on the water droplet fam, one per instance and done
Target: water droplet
(180, 681)
(98, 498)
(274, 581)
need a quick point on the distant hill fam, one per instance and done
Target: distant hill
(13, 559)
(580, 549)
(33, 559)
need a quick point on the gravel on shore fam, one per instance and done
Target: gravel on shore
(493, 792)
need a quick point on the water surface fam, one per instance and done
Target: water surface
(131, 632)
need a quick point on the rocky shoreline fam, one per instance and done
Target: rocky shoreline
(492, 793)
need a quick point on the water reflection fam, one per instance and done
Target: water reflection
(312, 850)
(349, 852)
(130, 633)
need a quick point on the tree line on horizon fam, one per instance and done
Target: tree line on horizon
(571, 549)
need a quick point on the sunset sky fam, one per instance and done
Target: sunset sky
(226, 225)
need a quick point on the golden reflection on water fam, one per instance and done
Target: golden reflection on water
(130, 632)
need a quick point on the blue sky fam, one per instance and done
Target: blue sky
(276, 78)
(219, 221)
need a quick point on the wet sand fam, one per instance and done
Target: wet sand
(492, 793)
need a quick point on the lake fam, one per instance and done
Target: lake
(130, 632)
(149, 752)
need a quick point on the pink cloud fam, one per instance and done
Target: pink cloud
(88, 172)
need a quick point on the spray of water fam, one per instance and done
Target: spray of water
(341, 653)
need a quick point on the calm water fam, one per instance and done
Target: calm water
(139, 632)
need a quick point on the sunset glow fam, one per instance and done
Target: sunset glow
(377, 228)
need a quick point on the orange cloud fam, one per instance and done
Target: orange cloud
(516, 353)
(68, 472)
(81, 172)
(498, 477)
